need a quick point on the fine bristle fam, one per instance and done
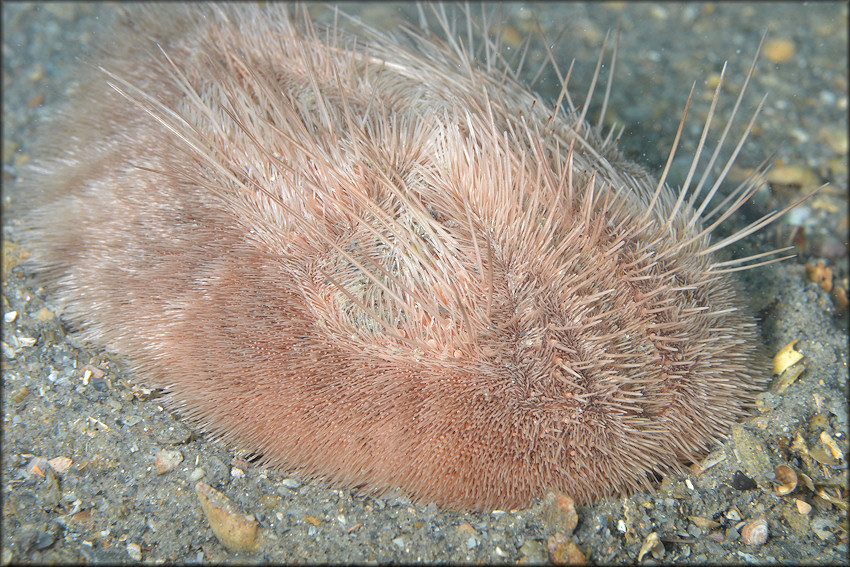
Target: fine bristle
(386, 264)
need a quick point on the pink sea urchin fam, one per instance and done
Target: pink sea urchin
(386, 265)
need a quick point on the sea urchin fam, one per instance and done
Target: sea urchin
(380, 262)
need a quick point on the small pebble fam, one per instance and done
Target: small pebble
(167, 460)
(44, 314)
(836, 138)
(235, 531)
(742, 482)
(793, 175)
(134, 551)
(621, 526)
(779, 50)
(559, 513)
(8, 351)
(10, 316)
(197, 474)
(533, 551)
(564, 551)
(95, 371)
(175, 434)
(44, 540)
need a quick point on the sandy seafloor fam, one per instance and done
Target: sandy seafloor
(112, 506)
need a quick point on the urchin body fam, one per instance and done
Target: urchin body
(386, 267)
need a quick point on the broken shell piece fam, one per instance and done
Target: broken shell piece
(60, 464)
(96, 372)
(37, 466)
(807, 480)
(822, 454)
(799, 445)
(713, 459)
(704, 524)
(803, 507)
(733, 514)
(19, 395)
(818, 422)
(652, 544)
(235, 531)
(786, 480)
(755, 532)
(835, 480)
(827, 440)
(837, 501)
(786, 357)
(788, 377)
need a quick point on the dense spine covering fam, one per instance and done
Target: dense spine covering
(388, 265)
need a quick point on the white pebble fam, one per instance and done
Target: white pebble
(167, 460)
